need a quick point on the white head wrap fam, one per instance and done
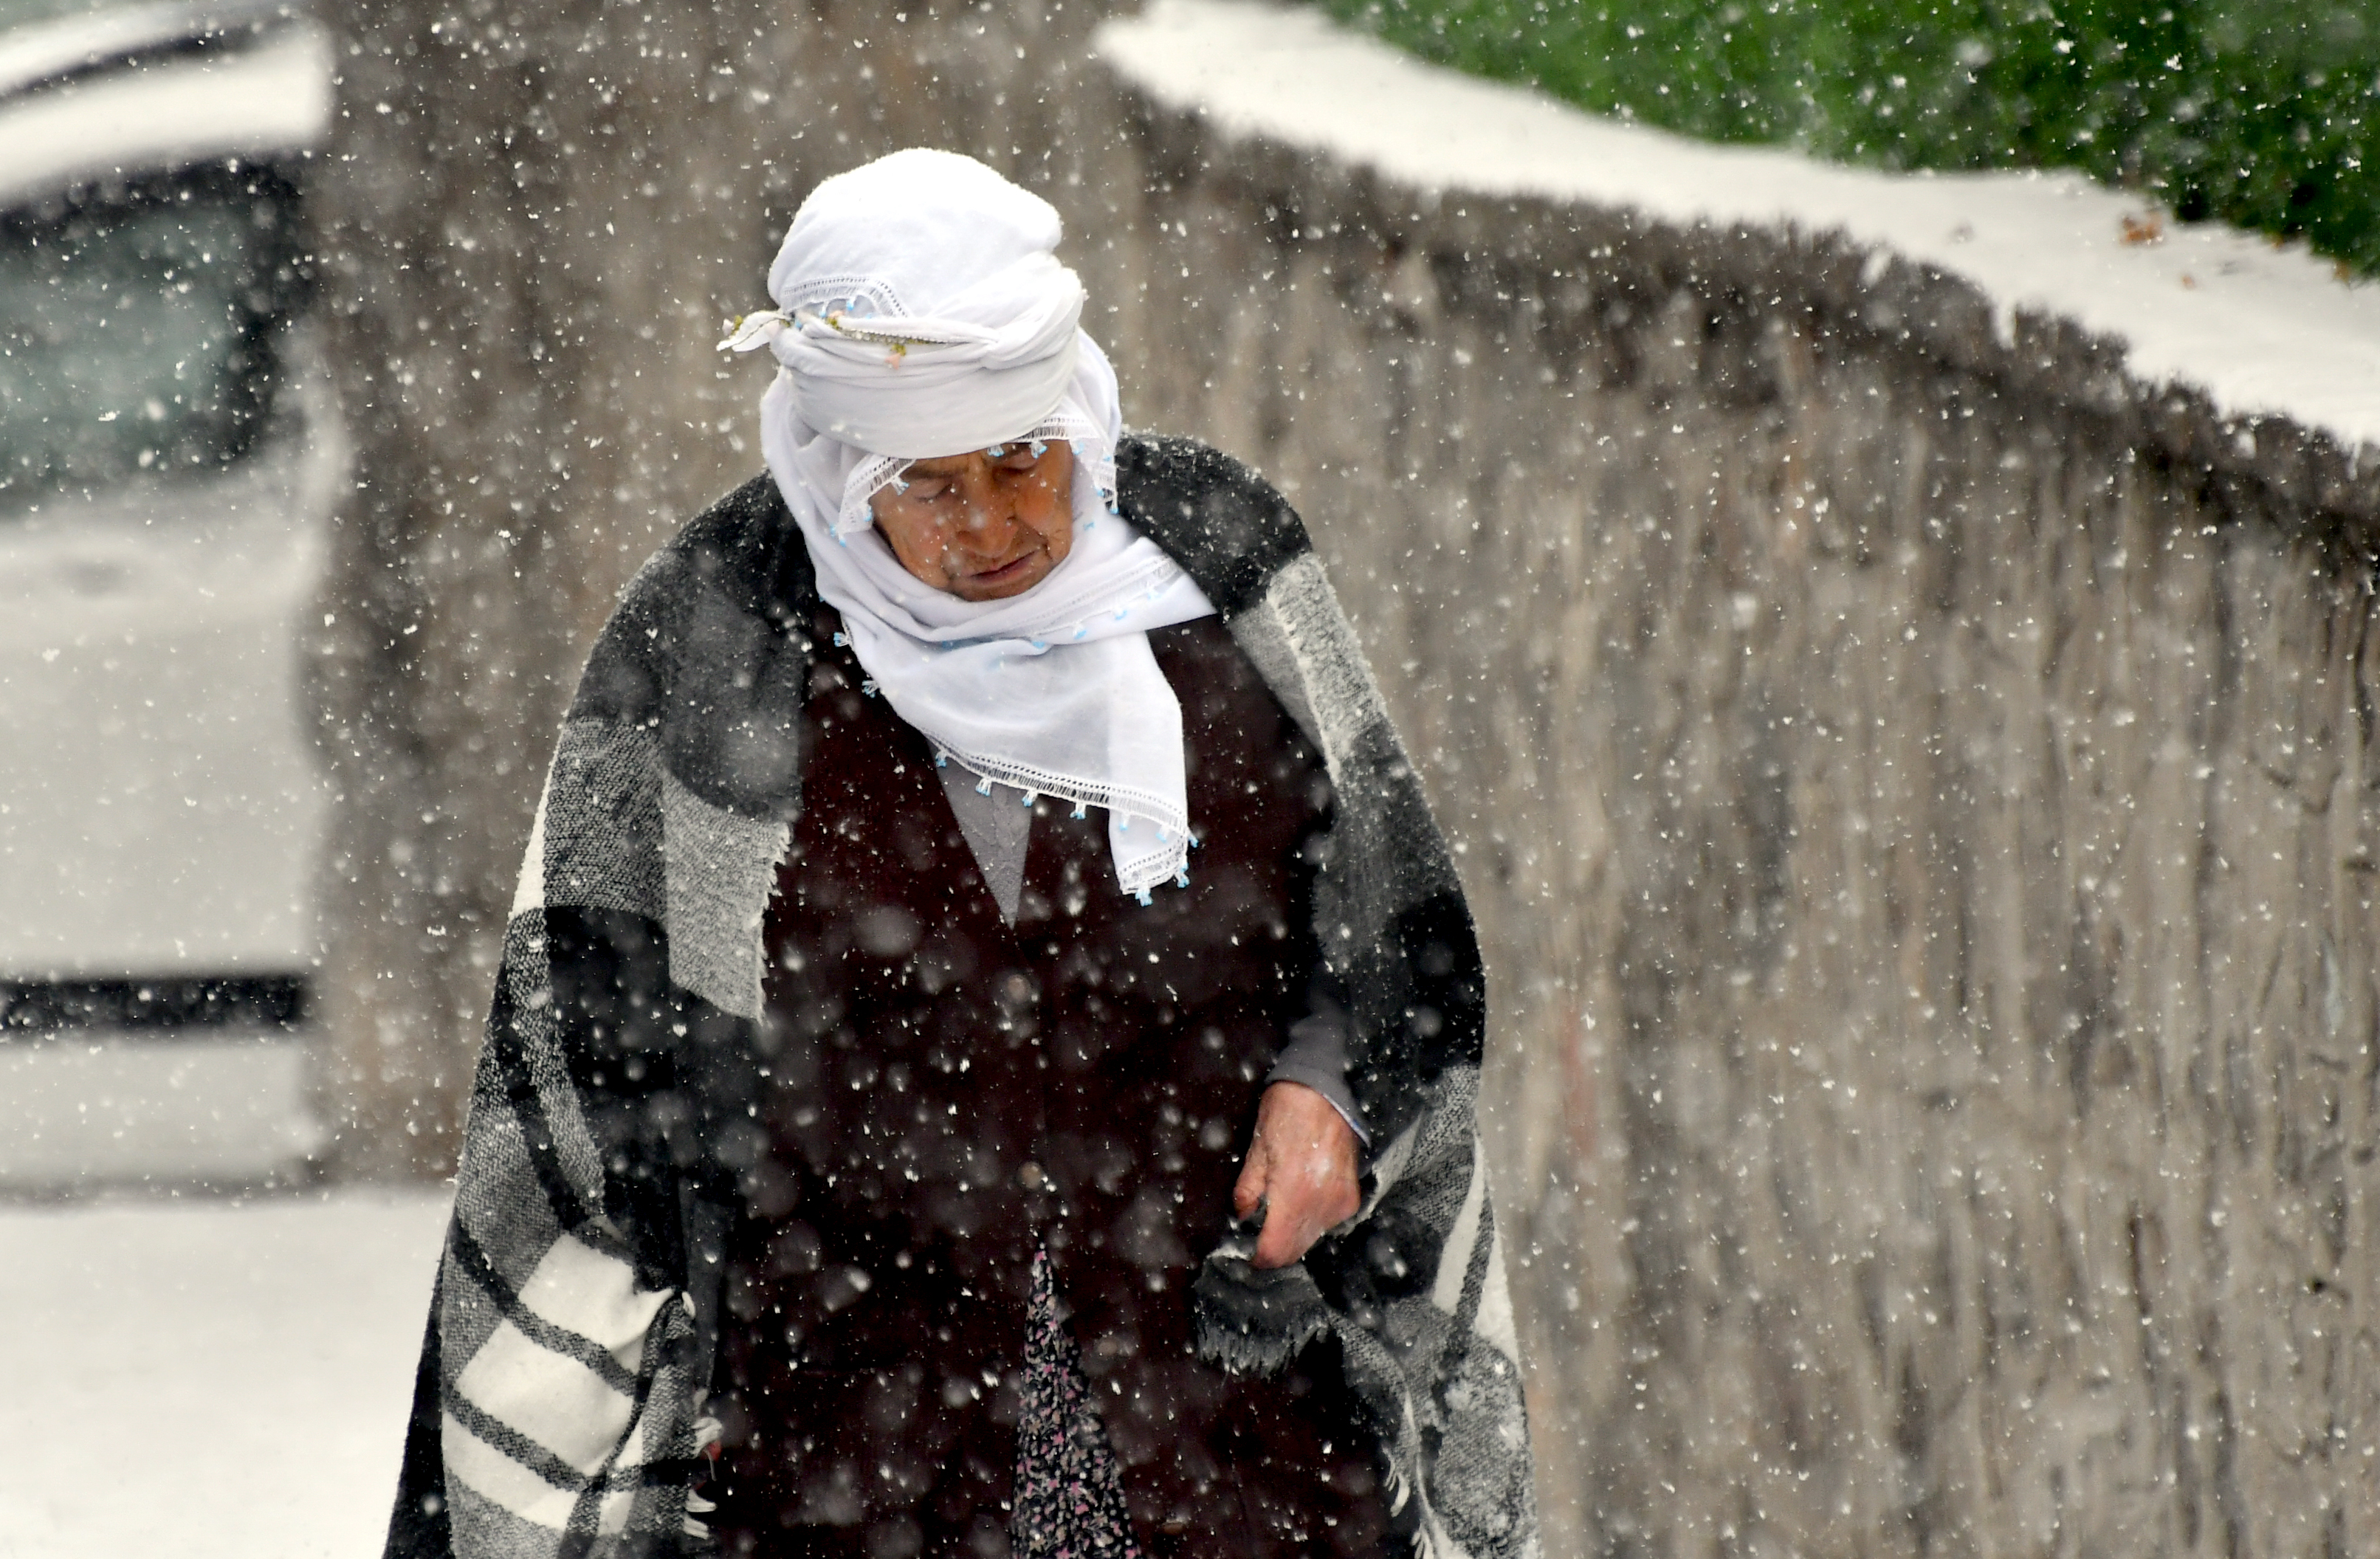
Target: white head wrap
(921, 312)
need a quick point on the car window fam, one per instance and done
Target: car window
(138, 330)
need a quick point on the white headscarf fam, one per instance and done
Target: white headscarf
(921, 312)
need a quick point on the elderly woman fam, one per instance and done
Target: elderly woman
(966, 836)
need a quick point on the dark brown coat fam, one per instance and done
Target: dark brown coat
(948, 1093)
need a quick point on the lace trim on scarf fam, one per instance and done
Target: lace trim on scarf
(878, 472)
(1127, 803)
(1160, 856)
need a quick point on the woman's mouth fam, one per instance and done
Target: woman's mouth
(1007, 573)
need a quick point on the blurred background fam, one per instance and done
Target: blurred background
(350, 364)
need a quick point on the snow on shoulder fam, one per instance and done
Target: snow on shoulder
(2259, 331)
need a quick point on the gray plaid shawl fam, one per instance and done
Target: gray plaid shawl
(559, 1403)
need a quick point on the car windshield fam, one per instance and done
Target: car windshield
(137, 332)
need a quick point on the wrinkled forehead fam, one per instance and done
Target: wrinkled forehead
(1016, 452)
(906, 232)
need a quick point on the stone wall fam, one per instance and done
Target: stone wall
(1917, 794)
(1916, 789)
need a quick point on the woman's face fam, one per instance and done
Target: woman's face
(984, 525)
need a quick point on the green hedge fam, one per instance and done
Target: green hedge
(2263, 114)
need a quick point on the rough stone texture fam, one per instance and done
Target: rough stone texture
(1917, 794)
(1916, 789)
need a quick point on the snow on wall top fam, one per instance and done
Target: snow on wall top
(2258, 330)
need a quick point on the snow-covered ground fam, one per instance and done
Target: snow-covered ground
(208, 1380)
(2260, 330)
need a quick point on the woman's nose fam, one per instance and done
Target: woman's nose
(989, 515)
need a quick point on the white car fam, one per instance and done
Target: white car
(169, 458)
